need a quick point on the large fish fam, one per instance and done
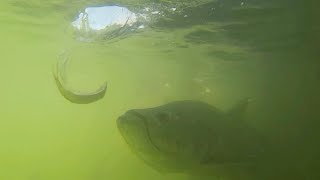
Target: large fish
(72, 95)
(188, 136)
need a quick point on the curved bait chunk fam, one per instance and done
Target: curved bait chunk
(74, 96)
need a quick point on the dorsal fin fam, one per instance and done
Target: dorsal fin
(237, 112)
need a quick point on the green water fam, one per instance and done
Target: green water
(264, 50)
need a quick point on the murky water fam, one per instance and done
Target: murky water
(213, 51)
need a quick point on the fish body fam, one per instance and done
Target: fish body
(185, 135)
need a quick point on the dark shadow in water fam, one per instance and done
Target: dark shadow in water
(262, 25)
(204, 36)
(228, 56)
(287, 34)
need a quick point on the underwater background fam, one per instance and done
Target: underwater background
(217, 51)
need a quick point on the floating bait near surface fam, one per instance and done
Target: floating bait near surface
(72, 95)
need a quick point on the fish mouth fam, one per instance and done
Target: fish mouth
(136, 114)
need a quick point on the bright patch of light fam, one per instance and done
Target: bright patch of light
(98, 18)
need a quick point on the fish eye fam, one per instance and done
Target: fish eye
(163, 117)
